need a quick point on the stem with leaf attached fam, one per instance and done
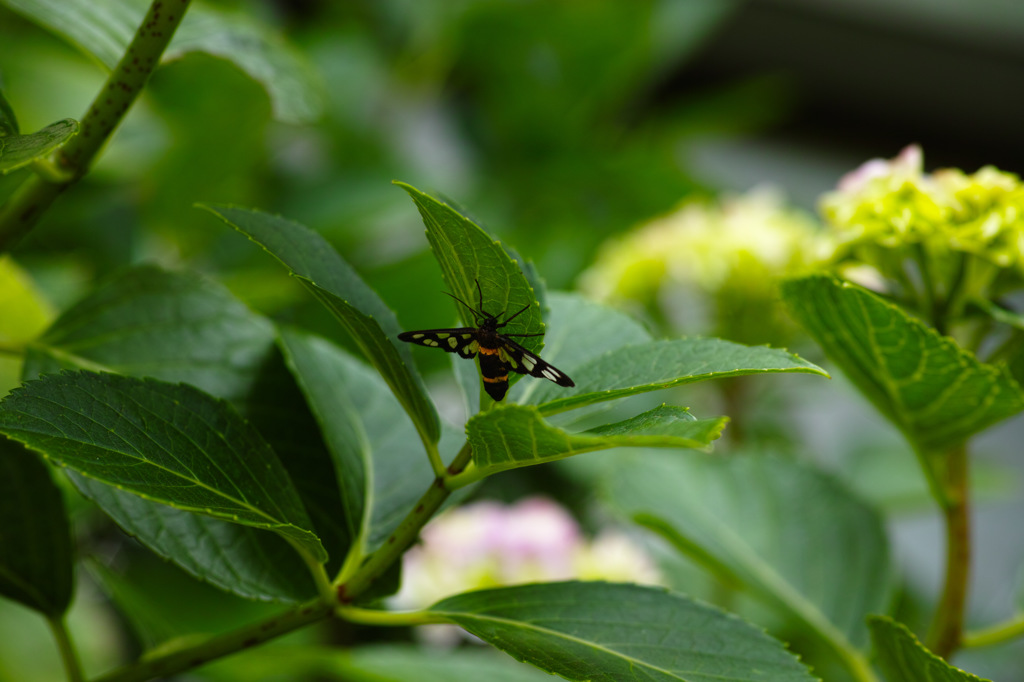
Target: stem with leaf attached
(27, 204)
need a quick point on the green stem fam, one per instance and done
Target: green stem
(996, 634)
(317, 570)
(68, 654)
(955, 296)
(248, 637)
(406, 532)
(354, 614)
(946, 633)
(931, 304)
(28, 203)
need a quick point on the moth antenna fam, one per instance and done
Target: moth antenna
(523, 309)
(476, 313)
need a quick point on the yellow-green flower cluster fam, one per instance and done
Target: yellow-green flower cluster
(743, 242)
(894, 204)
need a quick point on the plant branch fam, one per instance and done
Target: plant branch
(946, 633)
(28, 203)
(354, 614)
(68, 653)
(177, 661)
(406, 532)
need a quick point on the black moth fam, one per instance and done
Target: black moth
(499, 354)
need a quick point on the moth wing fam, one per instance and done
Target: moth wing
(524, 362)
(461, 340)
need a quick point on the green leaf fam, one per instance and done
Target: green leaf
(103, 28)
(35, 541)
(937, 393)
(169, 443)
(511, 436)
(240, 559)
(174, 326)
(382, 469)
(467, 255)
(904, 659)
(177, 326)
(580, 330)
(20, 150)
(793, 536)
(654, 365)
(371, 323)
(601, 632)
(8, 121)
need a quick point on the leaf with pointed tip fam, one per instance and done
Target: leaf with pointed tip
(936, 392)
(790, 534)
(177, 326)
(904, 659)
(511, 436)
(467, 255)
(604, 632)
(103, 28)
(20, 150)
(169, 443)
(654, 365)
(371, 323)
(35, 541)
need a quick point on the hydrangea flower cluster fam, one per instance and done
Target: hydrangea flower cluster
(738, 242)
(488, 544)
(894, 204)
(710, 267)
(934, 241)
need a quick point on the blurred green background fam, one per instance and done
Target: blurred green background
(556, 124)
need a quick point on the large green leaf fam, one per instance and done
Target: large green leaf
(629, 370)
(103, 28)
(793, 536)
(174, 326)
(371, 323)
(468, 255)
(170, 443)
(241, 559)
(35, 541)
(512, 436)
(20, 150)
(382, 469)
(904, 659)
(177, 326)
(937, 393)
(603, 632)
